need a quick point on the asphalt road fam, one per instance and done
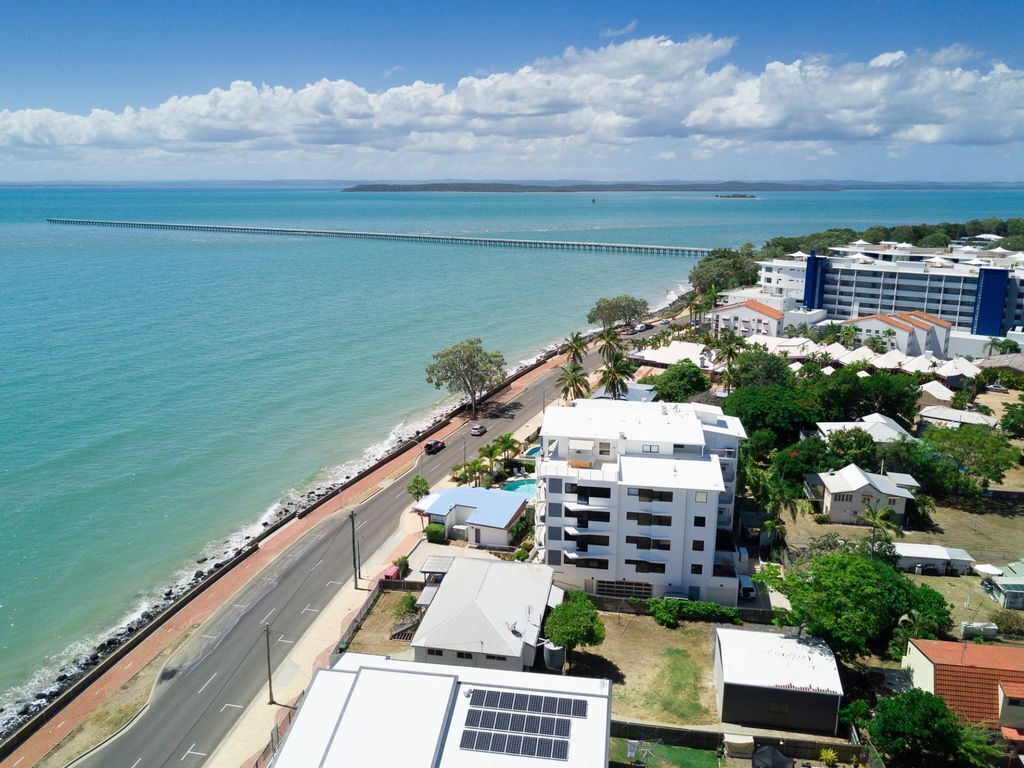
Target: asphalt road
(204, 688)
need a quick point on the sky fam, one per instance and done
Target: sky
(875, 90)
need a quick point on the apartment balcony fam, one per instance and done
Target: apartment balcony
(726, 498)
(723, 453)
(729, 475)
(725, 570)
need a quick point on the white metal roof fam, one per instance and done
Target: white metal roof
(912, 550)
(772, 660)
(953, 416)
(881, 428)
(676, 352)
(858, 355)
(485, 606)
(701, 473)
(958, 366)
(355, 704)
(937, 390)
(853, 478)
(891, 360)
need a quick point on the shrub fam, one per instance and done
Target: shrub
(520, 529)
(855, 714)
(1009, 622)
(435, 533)
(521, 554)
(402, 563)
(828, 757)
(668, 611)
(574, 622)
(406, 606)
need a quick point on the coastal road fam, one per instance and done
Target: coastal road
(207, 683)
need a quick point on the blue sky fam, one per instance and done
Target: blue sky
(653, 90)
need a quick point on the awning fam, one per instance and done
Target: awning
(581, 445)
(427, 595)
(571, 556)
(573, 532)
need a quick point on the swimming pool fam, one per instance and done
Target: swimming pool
(533, 450)
(523, 485)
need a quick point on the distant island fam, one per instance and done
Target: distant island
(725, 187)
(737, 196)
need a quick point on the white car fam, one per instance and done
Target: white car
(477, 429)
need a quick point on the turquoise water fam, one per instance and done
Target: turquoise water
(523, 486)
(533, 450)
(161, 391)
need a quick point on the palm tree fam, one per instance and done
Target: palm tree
(476, 469)
(875, 344)
(800, 329)
(880, 520)
(575, 347)
(610, 343)
(728, 344)
(774, 528)
(991, 346)
(848, 335)
(889, 335)
(615, 376)
(508, 444)
(573, 382)
(489, 453)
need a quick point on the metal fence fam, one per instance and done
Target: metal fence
(277, 733)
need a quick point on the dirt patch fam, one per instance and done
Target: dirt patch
(114, 713)
(374, 636)
(658, 675)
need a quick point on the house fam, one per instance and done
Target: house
(635, 393)
(980, 683)
(926, 362)
(957, 371)
(881, 428)
(943, 416)
(747, 318)
(858, 355)
(771, 680)
(631, 496)
(844, 493)
(487, 613)
(451, 717)
(934, 393)
(1012, 363)
(1007, 589)
(479, 515)
(892, 360)
(926, 557)
(791, 348)
(912, 333)
(674, 353)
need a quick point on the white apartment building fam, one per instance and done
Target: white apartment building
(783, 280)
(912, 333)
(747, 318)
(632, 497)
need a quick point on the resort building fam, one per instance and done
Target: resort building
(747, 318)
(480, 516)
(769, 680)
(636, 499)
(912, 333)
(843, 493)
(487, 613)
(451, 717)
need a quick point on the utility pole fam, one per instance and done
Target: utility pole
(355, 557)
(270, 675)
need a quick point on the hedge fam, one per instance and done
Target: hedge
(669, 611)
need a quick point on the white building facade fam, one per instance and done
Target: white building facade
(631, 498)
(747, 318)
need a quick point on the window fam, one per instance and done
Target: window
(1015, 702)
(587, 491)
(555, 485)
(646, 518)
(701, 497)
(464, 654)
(435, 652)
(640, 542)
(642, 566)
(624, 588)
(554, 533)
(646, 494)
(650, 448)
(604, 449)
(699, 521)
(632, 491)
(492, 657)
(698, 545)
(554, 509)
(662, 544)
(778, 707)
(842, 497)
(554, 557)
(696, 569)
(892, 501)
(595, 563)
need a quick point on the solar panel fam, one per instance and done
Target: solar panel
(507, 700)
(560, 750)
(473, 718)
(544, 747)
(547, 726)
(498, 742)
(563, 727)
(487, 719)
(468, 740)
(477, 698)
(522, 702)
(536, 703)
(550, 705)
(493, 698)
(502, 720)
(579, 707)
(518, 723)
(529, 747)
(483, 741)
(565, 707)
(514, 744)
(532, 724)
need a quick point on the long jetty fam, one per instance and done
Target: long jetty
(492, 242)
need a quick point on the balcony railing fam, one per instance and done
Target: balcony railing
(723, 570)
(725, 453)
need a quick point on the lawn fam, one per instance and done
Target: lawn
(663, 756)
(659, 675)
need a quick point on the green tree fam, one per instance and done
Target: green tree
(508, 445)
(791, 463)
(490, 453)
(680, 382)
(574, 623)
(1012, 421)
(573, 382)
(780, 409)
(851, 446)
(879, 519)
(609, 344)
(756, 367)
(727, 345)
(848, 335)
(575, 348)
(466, 368)
(615, 376)
(435, 533)
(934, 240)
(418, 487)
(977, 450)
(915, 729)
(619, 309)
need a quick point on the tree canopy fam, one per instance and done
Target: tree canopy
(783, 410)
(468, 369)
(618, 309)
(574, 623)
(757, 367)
(915, 729)
(680, 382)
(725, 268)
(978, 451)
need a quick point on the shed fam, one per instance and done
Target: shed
(942, 559)
(766, 679)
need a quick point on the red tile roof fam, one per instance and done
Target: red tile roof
(931, 318)
(967, 676)
(754, 306)
(912, 318)
(1013, 734)
(889, 319)
(1013, 690)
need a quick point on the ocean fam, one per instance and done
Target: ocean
(161, 392)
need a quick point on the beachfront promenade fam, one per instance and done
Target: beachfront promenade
(693, 252)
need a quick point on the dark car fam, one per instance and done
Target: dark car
(433, 446)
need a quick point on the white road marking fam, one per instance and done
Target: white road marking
(206, 684)
(209, 637)
(360, 526)
(317, 563)
(22, 758)
(339, 583)
(190, 751)
(311, 610)
(264, 621)
(282, 640)
(239, 605)
(136, 762)
(235, 706)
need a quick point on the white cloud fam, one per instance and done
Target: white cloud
(667, 155)
(609, 32)
(391, 70)
(576, 107)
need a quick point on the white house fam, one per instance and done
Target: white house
(630, 498)
(791, 348)
(934, 393)
(451, 717)
(480, 515)
(674, 353)
(778, 681)
(943, 416)
(942, 559)
(844, 492)
(487, 613)
(881, 428)
(747, 318)
(912, 333)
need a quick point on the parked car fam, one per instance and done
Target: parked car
(477, 429)
(641, 327)
(433, 446)
(747, 590)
